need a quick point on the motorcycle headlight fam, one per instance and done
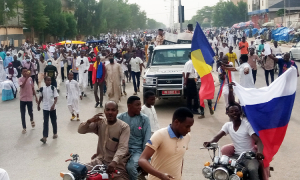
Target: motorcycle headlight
(221, 174)
(224, 160)
(234, 177)
(207, 172)
(68, 176)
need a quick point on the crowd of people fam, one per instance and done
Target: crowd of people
(127, 140)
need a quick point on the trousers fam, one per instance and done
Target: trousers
(23, 105)
(52, 115)
(136, 80)
(132, 165)
(271, 72)
(191, 90)
(101, 87)
(254, 72)
(91, 79)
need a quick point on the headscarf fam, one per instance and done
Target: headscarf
(10, 69)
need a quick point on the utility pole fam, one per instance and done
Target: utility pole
(180, 15)
(284, 20)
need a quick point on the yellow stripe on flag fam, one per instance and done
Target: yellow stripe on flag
(199, 63)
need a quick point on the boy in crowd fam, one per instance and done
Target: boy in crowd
(48, 94)
(149, 110)
(73, 94)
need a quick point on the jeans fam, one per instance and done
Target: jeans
(126, 75)
(62, 70)
(91, 79)
(191, 90)
(252, 166)
(254, 72)
(271, 72)
(132, 165)
(54, 82)
(52, 115)
(101, 87)
(75, 76)
(23, 105)
(34, 79)
(69, 68)
(136, 80)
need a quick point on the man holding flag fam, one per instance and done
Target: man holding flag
(202, 58)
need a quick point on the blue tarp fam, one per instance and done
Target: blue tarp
(254, 31)
(262, 30)
(282, 34)
(247, 32)
(97, 41)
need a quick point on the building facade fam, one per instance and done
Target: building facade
(262, 11)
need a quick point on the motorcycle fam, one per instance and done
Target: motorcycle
(225, 168)
(78, 171)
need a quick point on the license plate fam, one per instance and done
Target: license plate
(170, 92)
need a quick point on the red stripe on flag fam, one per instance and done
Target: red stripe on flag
(272, 140)
(207, 89)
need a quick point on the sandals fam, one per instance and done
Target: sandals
(72, 118)
(24, 131)
(32, 124)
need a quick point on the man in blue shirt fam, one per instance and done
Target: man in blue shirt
(140, 133)
(285, 63)
(2, 54)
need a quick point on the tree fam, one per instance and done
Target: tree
(57, 24)
(34, 17)
(10, 12)
(71, 31)
(152, 24)
(242, 12)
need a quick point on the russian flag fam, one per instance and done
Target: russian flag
(269, 110)
(202, 57)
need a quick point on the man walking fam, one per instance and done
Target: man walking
(26, 93)
(113, 76)
(83, 65)
(136, 68)
(252, 59)
(167, 147)
(98, 79)
(243, 46)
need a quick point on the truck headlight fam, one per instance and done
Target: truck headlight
(149, 81)
(234, 177)
(221, 174)
(207, 172)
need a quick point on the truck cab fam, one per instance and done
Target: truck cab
(163, 75)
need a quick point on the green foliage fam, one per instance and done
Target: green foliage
(12, 6)
(34, 14)
(224, 13)
(71, 31)
(280, 13)
(152, 24)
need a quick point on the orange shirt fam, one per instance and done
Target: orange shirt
(244, 50)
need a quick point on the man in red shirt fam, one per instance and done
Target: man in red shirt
(244, 46)
(92, 60)
(26, 93)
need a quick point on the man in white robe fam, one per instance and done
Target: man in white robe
(82, 63)
(73, 94)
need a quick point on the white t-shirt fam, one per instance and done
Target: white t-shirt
(189, 68)
(48, 97)
(276, 51)
(151, 113)
(225, 50)
(124, 65)
(135, 64)
(246, 80)
(241, 138)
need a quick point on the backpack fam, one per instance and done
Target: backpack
(52, 88)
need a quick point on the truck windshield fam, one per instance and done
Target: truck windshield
(171, 57)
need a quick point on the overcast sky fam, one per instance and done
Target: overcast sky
(160, 9)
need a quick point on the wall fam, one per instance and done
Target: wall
(259, 19)
(288, 18)
(249, 4)
(12, 35)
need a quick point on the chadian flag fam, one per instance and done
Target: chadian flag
(202, 57)
(269, 109)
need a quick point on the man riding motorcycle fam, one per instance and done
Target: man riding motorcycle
(140, 133)
(243, 136)
(113, 136)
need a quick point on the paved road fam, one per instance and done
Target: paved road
(24, 156)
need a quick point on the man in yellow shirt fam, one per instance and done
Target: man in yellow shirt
(232, 56)
(167, 147)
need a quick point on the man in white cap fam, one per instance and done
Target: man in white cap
(82, 63)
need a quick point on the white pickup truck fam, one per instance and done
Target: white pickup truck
(163, 76)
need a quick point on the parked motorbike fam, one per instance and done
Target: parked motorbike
(225, 168)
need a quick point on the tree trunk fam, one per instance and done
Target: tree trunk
(32, 34)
